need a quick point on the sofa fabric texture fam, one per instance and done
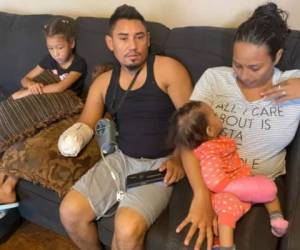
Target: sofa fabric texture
(198, 48)
(23, 117)
(38, 160)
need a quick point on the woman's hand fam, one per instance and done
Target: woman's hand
(287, 90)
(201, 218)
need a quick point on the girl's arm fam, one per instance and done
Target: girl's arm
(72, 77)
(27, 81)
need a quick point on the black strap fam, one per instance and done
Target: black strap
(114, 110)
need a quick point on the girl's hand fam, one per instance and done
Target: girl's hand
(36, 88)
(287, 90)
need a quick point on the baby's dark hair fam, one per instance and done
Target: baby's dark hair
(61, 26)
(267, 26)
(125, 12)
(188, 126)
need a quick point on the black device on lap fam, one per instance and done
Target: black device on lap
(144, 178)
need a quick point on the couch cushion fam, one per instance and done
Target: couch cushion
(37, 159)
(199, 48)
(9, 223)
(291, 55)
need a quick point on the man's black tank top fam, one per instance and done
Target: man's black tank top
(143, 118)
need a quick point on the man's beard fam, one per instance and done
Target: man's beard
(134, 67)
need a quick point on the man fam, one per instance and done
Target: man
(161, 85)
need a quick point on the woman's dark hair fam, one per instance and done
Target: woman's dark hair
(267, 26)
(64, 26)
(188, 126)
(125, 12)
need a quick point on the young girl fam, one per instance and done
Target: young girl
(69, 67)
(195, 126)
(61, 61)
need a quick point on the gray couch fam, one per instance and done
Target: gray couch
(21, 47)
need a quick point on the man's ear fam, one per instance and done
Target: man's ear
(109, 43)
(72, 43)
(278, 56)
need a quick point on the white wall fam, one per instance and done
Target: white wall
(223, 13)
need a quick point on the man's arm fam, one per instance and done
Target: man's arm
(174, 79)
(177, 83)
(94, 106)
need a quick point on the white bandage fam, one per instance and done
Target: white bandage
(74, 139)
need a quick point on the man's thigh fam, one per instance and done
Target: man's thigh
(148, 200)
(102, 182)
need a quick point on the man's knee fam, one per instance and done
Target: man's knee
(75, 209)
(129, 225)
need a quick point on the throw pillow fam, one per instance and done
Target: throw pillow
(23, 117)
(2, 95)
(38, 160)
(46, 77)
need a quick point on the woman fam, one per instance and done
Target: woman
(255, 101)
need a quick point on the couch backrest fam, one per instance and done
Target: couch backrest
(22, 45)
(199, 48)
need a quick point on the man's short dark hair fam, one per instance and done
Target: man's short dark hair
(125, 12)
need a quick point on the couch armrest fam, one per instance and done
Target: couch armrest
(292, 181)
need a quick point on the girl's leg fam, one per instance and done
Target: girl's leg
(226, 236)
(7, 190)
(278, 223)
(254, 189)
(229, 210)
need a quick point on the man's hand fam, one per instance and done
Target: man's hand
(201, 218)
(174, 170)
(286, 90)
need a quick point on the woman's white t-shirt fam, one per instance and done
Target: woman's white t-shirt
(261, 129)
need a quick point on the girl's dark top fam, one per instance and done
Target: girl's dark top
(78, 65)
